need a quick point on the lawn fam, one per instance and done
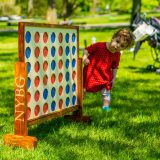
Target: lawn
(131, 130)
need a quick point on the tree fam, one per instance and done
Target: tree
(136, 11)
(52, 13)
(69, 6)
(94, 6)
(23, 5)
(30, 7)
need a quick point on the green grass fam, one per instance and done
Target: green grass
(109, 18)
(103, 19)
(131, 131)
(87, 19)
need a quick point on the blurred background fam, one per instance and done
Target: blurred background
(79, 11)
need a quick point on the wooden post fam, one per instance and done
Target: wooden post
(20, 137)
(85, 43)
(20, 99)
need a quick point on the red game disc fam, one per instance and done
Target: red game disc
(60, 103)
(36, 81)
(60, 90)
(60, 64)
(37, 52)
(60, 77)
(60, 37)
(73, 75)
(28, 112)
(36, 110)
(45, 80)
(45, 51)
(45, 37)
(36, 37)
(45, 107)
(37, 66)
(53, 78)
(36, 95)
(45, 65)
(60, 51)
(28, 97)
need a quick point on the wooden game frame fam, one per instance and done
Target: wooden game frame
(20, 137)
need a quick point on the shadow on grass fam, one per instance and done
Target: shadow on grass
(129, 105)
(99, 30)
(144, 69)
(7, 97)
(9, 57)
(8, 34)
(120, 120)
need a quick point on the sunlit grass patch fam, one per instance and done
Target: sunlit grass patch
(129, 131)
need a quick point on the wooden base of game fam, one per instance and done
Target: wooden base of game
(84, 119)
(26, 142)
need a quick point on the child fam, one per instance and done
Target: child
(101, 62)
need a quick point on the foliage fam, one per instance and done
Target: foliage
(66, 8)
(73, 7)
(121, 6)
(149, 5)
(39, 8)
(7, 7)
(23, 5)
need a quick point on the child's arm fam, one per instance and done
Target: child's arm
(114, 71)
(86, 61)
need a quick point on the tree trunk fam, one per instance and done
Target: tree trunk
(52, 13)
(65, 5)
(136, 11)
(93, 8)
(30, 7)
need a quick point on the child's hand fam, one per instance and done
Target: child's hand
(86, 61)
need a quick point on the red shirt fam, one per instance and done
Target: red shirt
(98, 74)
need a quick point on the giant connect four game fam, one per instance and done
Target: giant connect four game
(48, 79)
(51, 56)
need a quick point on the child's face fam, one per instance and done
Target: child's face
(117, 44)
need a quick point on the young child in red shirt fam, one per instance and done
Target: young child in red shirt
(101, 62)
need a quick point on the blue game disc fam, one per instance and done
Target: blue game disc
(67, 50)
(53, 92)
(28, 52)
(45, 94)
(29, 82)
(73, 50)
(53, 105)
(73, 37)
(73, 63)
(74, 100)
(67, 37)
(67, 76)
(28, 67)
(67, 101)
(53, 51)
(53, 37)
(73, 87)
(67, 88)
(53, 64)
(28, 36)
(67, 63)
